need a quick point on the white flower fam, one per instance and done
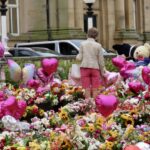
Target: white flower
(134, 100)
(45, 122)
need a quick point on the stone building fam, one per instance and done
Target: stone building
(118, 21)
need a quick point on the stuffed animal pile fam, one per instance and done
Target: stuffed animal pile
(135, 53)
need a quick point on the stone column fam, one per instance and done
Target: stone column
(146, 21)
(120, 15)
(130, 15)
(79, 13)
(53, 13)
(71, 14)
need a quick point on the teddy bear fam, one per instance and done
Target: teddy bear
(133, 52)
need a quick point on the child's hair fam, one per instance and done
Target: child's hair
(92, 33)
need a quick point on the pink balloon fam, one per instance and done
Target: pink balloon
(2, 49)
(21, 108)
(10, 104)
(131, 147)
(49, 65)
(119, 61)
(106, 104)
(1, 95)
(146, 74)
(42, 76)
(33, 83)
(136, 86)
(127, 70)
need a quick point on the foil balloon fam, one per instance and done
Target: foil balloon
(21, 108)
(119, 61)
(136, 86)
(44, 77)
(127, 70)
(49, 65)
(10, 103)
(146, 74)
(111, 77)
(131, 147)
(15, 70)
(28, 73)
(2, 49)
(1, 95)
(106, 104)
(33, 83)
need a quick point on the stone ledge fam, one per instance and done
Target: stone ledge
(42, 35)
(126, 34)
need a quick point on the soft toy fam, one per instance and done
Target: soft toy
(136, 53)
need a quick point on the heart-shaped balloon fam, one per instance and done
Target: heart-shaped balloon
(2, 49)
(119, 61)
(136, 86)
(106, 104)
(49, 65)
(146, 74)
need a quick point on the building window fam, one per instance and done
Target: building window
(13, 11)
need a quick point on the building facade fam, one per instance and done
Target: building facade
(118, 21)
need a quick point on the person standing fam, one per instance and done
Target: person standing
(92, 67)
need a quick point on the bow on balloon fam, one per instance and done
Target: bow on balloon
(18, 74)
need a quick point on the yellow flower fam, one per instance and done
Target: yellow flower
(21, 148)
(133, 112)
(129, 121)
(125, 116)
(129, 130)
(91, 127)
(109, 145)
(41, 112)
(66, 144)
(113, 133)
(102, 147)
(141, 137)
(99, 121)
(63, 115)
(34, 146)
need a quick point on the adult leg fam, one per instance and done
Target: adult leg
(95, 82)
(86, 82)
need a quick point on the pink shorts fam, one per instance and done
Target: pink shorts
(90, 78)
